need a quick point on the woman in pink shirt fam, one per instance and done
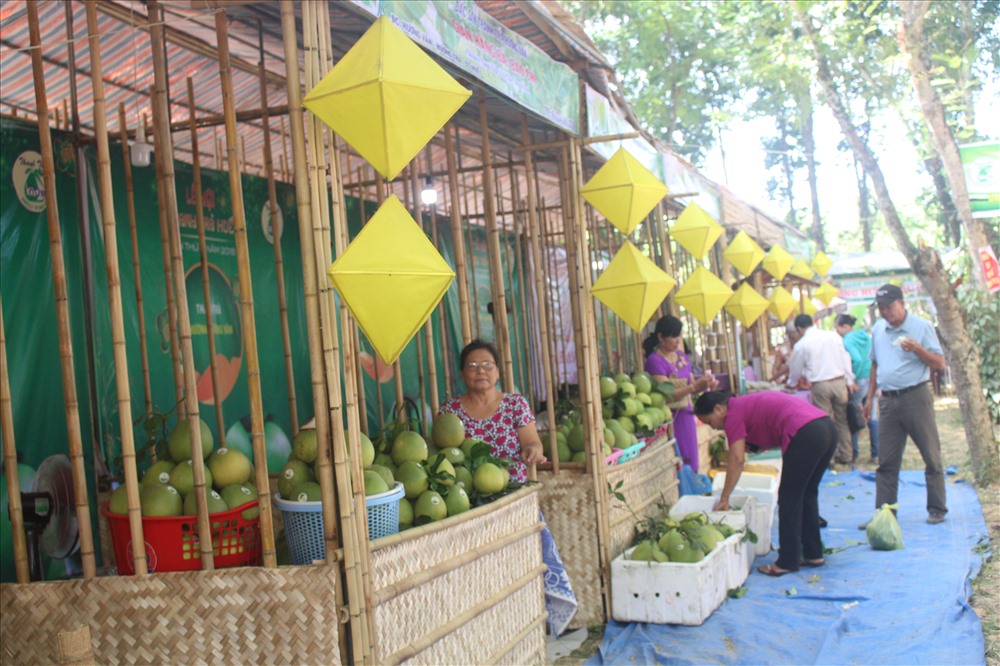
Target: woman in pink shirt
(807, 437)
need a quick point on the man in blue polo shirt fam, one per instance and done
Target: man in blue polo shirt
(904, 349)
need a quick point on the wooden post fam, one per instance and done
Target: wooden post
(458, 240)
(62, 307)
(18, 542)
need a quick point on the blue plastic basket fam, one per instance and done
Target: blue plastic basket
(631, 452)
(304, 523)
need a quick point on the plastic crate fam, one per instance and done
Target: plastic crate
(740, 553)
(613, 458)
(763, 488)
(172, 544)
(632, 451)
(304, 523)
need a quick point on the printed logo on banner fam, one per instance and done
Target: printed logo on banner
(29, 184)
(266, 226)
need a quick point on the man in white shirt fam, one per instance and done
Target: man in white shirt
(820, 356)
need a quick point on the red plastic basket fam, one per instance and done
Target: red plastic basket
(172, 544)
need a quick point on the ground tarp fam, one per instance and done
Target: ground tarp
(864, 606)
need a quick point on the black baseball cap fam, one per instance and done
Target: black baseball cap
(888, 293)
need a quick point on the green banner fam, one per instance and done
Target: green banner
(981, 163)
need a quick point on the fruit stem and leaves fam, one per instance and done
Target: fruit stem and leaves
(154, 447)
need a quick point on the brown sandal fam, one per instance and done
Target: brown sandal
(772, 570)
(812, 563)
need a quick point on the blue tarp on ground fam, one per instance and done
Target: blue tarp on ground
(864, 606)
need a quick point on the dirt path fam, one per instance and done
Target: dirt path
(986, 586)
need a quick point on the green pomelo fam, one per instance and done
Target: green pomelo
(643, 398)
(430, 505)
(409, 446)
(467, 445)
(454, 455)
(447, 431)
(668, 542)
(374, 483)
(305, 444)
(643, 382)
(575, 439)
(182, 477)
(237, 495)
(161, 501)
(292, 474)
(687, 553)
(413, 476)
(463, 477)
(405, 513)
(385, 473)
(660, 556)
(628, 388)
(278, 447)
(385, 460)
(619, 432)
(565, 453)
(626, 424)
(119, 501)
(489, 479)
(228, 467)
(457, 500)
(609, 387)
(445, 467)
(708, 536)
(609, 437)
(607, 411)
(621, 377)
(367, 451)
(158, 472)
(656, 399)
(579, 457)
(307, 492)
(215, 503)
(643, 552)
(179, 444)
(643, 421)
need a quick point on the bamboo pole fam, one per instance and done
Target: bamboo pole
(304, 205)
(493, 253)
(353, 332)
(458, 241)
(72, 407)
(379, 198)
(555, 304)
(286, 172)
(519, 270)
(109, 228)
(16, 516)
(505, 261)
(277, 231)
(470, 243)
(136, 274)
(442, 322)
(411, 197)
(614, 350)
(220, 423)
(164, 149)
(429, 325)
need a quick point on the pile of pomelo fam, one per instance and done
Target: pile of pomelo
(167, 486)
(686, 540)
(633, 403)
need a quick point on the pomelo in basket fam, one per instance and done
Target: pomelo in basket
(467, 445)
(229, 467)
(456, 500)
(575, 438)
(182, 477)
(161, 501)
(179, 443)
(292, 474)
(489, 479)
(430, 505)
(463, 476)
(119, 501)
(367, 451)
(158, 472)
(405, 512)
(643, 382)
(413, 476)
(374, 483)
(579, 457)
(408, 446)
(447, 468)
(215, 503)
(304, 445)
(385, 473)
(306, 492)
(454, 455)
(239, 494)
(447, 431)
(609, 387)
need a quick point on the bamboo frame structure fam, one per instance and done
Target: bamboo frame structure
(19, 541)
(458, 240)
(72, 406)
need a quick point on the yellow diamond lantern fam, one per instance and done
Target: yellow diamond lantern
(782, 304)
(810, 308)
(778, 262)
(632, 286)
(801, 269)
(703, 295)
(391, 278)
(746, 305)
(624, 191)
(744, 253)
(696, 231)
(386, 97)
(821, 263)
(826, 292)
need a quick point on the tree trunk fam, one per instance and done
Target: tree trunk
(912, 42)
(951, 228)
(809, 143)
(959, 348)
(864, 205)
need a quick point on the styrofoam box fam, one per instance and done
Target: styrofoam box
(667, 592)
(741, 553)
(763, 488)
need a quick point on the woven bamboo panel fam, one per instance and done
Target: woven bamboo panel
(567, 502)
(649, 481)
(705, 436)
(228, 616)
(505, 573)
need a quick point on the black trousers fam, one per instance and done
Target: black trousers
(802, 468)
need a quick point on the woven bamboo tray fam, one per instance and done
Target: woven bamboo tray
(468, 590)
(228, 616)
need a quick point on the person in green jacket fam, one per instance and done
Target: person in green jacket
(858, 343)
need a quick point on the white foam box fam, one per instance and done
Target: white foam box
(740, 554)
(667, 592)
(764, 489)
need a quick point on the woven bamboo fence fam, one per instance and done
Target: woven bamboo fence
(227, 616)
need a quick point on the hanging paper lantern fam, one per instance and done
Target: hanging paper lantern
(746, 305)
(391, 278)
(386, 97)
(624, 191)
(778, 262)
(696, 231)
(826, 292)
(810, 308)
(782, 304)
(821, 263)
(801, 269)
(744, 253)
(703, 295)
(632, 286)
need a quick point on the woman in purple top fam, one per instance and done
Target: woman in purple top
(807, 437)
(666, 360)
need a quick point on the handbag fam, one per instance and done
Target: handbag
(855, 420)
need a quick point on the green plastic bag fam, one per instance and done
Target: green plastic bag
(883, 530)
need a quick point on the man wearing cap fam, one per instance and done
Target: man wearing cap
(820, 357)
(904, 350)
